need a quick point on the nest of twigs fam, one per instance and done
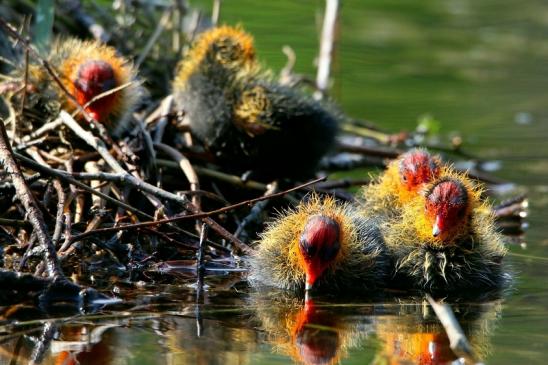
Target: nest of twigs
(77, 204)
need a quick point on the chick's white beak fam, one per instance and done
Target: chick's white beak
(308, 283)
(436, 229)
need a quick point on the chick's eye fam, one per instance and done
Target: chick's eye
(329, 252)
(307, 249)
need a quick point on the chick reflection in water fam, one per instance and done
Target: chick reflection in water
(412, 334)
(308, 333)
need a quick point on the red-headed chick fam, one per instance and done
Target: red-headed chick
(321, 245)
(101, 81)
(401, 182)
(446, 239)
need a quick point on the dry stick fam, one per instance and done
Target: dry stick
(365, 132)
(516, 206)
(457, 339)
(59, 221)
(129, 179)
(25, 85)
(232, 179)
(256, 210)
(154, 37)
(385, 152)
(343, 183)
(41, 131)
(165, 110)
(194, 216)
(215, 12)
(93, 141)
(200, 266)
(186, 167)
(326, 47)
(61, 199)
(31, 206)
(286, 73)
(14, 223)
(68, 177)
(107, 93)
(43, 344)
(65, 176)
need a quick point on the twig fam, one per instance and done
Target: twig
(193, 216)
(14, 223)
(31, 206)
(366, 132)
(457, 339)
(139, 184)
(326, 47)
(93, 141)
(215, 12)
(232, 179)
(514, 207)
(340, 184)
(385, 152)
(107, 93)
(43, 344)
(200, 266)
(165, 110)
(42, 130)
(186, 167)
(286, 74)
(61, 198)
(154, 37)
(65, 176)
(25, 84)
(256, 210)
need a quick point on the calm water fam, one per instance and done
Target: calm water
(480, 68)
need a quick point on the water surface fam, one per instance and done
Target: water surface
(481, 70)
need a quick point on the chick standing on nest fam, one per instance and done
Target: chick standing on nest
(248, 121)
(87, 69)
(401, 182)
(446, 240)
(320, 245)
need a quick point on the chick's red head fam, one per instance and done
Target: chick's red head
(95, 77)
(417, 167)
(446, 205)
(319, 245)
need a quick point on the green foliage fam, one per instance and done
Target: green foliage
(428, 125)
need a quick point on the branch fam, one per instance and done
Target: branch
(193, 216)
(137, 183)
(326, 47)
(31, 206)
(457, 339)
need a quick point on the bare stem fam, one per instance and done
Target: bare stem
(326, 47)
(31, 205)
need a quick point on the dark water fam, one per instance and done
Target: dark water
(481, 70)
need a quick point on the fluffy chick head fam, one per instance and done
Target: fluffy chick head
(88, 69)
